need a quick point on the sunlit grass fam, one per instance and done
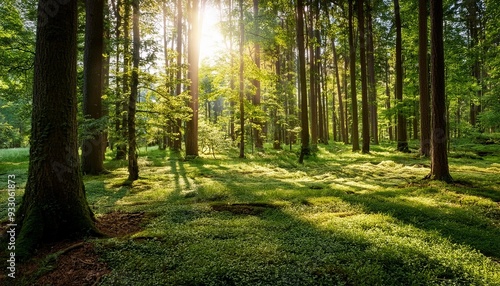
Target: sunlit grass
(341, 218)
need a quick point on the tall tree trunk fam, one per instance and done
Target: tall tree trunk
(388, 99)
(364, 86)
(133, 168)
(304, 119)
(372, 90)
(346, 110)
(425, 112)
(193, 59)
(242, 84)
(164, 139)
(256, 99)
(339, 95)
(92, 155)
(313, 103)
(176, 128)
(473, 24)
(352, 67)
(232, 104)
(105, 75)
(401, 128)
(277, 129)
(118, 103)
(439, 153)
(122, 147)
(54, 205)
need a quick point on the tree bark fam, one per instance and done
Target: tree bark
(121, 151)
(304, 119)
(193, 59)
(401, 128)
(339, 94)
(256, 99)
(364, 86)
(177, 136)
(439, 153)
(118, 78)
(425, 112)
(313, 78)
(352, 67)
(133, 167)
(372, 90)
(242, 84)
(54, 205)
(92, 155)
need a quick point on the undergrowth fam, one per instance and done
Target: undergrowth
(341, 218)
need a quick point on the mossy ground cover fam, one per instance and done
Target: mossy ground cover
(341, 218)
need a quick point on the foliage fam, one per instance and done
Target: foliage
(16, 56)
(213, 139)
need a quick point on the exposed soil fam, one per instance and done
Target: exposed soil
(74, 262)
(243, 209)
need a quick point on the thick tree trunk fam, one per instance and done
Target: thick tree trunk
(401, 128)
(439, 153)
(364, 86)
(54, 206)
(133, 167)
(304, 119)
(92, 155)
(193, 59)
(425, 112)
(352, 68)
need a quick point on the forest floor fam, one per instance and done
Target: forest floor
(341, 218)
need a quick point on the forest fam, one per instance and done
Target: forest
(237, 142)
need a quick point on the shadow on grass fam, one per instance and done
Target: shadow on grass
(458, 224)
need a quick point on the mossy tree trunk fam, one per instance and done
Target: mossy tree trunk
(54, 205)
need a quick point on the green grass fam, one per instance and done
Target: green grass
(342, 218)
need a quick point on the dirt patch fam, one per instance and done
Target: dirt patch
(79, 265)
(117, 224)
(75, 262)
(243, 209)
